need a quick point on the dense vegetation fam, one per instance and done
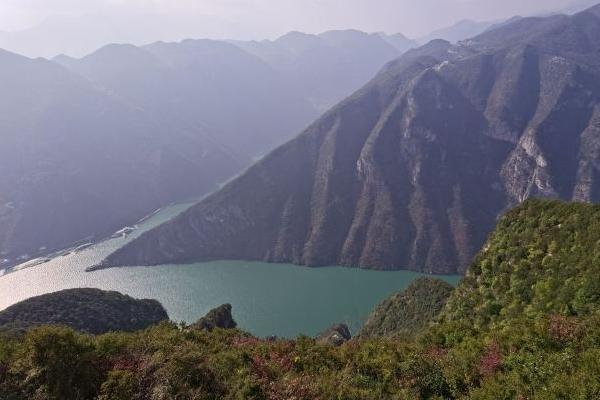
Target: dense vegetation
(406, 314)
(524, 324)
(543, 258)
(88, 310)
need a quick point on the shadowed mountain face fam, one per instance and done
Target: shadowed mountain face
(413, 170)
(76, 161)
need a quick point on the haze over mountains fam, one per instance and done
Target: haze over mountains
(413, 169)
(77, 161)
(203, 84)
(39, 28)
(93, 144)
(64, 34)
(329, 66)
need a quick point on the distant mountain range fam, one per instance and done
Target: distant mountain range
(461, 30)
(93, 144)
(202, 85)
(78, 36)
(332, 65)
(78, 162)
(64, 34)
(413, 169)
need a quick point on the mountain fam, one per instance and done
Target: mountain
(202, 85)
(460, 31)
(399, 41)
(87, 310)
(413, 170)
(330, 66)
(578, 6)
(406, 314)
(185, 116)
(77, 162)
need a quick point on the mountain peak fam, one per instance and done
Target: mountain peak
(594, 10)
(9, 55)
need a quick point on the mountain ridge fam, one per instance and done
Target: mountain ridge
(413, 169)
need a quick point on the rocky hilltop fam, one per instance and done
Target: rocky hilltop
(413, 170)
(219, 317)
(88, 310)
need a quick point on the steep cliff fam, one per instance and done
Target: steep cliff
(413, 169)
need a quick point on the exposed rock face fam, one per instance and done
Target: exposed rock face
(336, 335)
(219, 317)
(405, 314)
(89, 310)
(413, 170)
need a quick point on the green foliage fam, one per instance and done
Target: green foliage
(59, 364)
(542, 258)
(523, 324)
(89, 310)
(406, 314)
(549, 359)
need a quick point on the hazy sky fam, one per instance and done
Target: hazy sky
(273, 17)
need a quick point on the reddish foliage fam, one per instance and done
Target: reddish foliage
(282, 361)
(129, 362)
(245, 341)
(263, 366)
(260, 367)
(436, 353)
(491, 361)
(279, 362)
(563, 329)
(298, 388)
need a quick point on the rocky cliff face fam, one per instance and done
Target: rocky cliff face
(219, 317)
(413, 170)
(335, 335)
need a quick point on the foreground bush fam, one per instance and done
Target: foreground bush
(526, 361)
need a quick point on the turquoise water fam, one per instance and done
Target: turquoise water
(268, 299)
